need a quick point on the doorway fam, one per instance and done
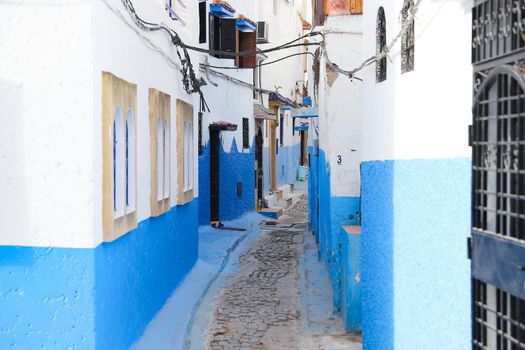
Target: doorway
(214, 176)
(304, 149)
(259, 165)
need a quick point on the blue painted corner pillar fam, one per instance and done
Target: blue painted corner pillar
(415, 272)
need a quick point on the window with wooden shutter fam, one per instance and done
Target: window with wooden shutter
(247, 43)
(223, 36)
(228, 33)
(356, 7)
(215, 36)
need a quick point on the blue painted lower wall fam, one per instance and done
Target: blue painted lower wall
(235, 167)
(328, 213)
(102, 298)
(415, 272)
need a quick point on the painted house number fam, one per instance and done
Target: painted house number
(339, 160)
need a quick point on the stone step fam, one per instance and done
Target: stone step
(274, 212)
(285, 202)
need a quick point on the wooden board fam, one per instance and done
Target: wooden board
(159, 107)
(122, 94)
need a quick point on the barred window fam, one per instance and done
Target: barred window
(408, 39)
(380, 45)
(245, 133)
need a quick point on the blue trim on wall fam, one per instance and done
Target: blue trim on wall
(415, 272)
(101, 298)
(235, 167)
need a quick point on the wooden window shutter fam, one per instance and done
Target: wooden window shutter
(248, 43)
(356, 7)
(228, 36)
(215, 34)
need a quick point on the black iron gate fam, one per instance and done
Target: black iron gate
(497, 245)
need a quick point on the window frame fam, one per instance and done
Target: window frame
(185, 150)
(160, 179)
(117, 94)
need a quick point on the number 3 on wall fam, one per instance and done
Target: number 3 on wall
(339, 160)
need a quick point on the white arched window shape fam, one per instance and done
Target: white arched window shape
(119, 164)
(188, 155)
(166, 164)
(130, 163)
(160, 159)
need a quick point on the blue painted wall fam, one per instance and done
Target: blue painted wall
(100, 298)
(351, 284)
(415, 272)
(286, 163)
(334, 212)
(47, 298)
(235, 167)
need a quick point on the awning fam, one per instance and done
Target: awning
(222, 126)
(301, 128)
(305, 112)
(221, 9)
(261, 112)
(245, 25)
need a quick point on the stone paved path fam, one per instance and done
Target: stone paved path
(263, 306)
(258, 310)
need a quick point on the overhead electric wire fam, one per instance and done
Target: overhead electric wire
(259, 65)
(383, 54)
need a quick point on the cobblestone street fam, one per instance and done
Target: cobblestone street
(258, 310)
(264, 304)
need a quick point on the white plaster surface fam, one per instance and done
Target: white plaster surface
(46, 124)
(423, 113)
(341, 106)
(51, 104)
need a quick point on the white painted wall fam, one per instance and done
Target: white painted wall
(51, 104)
(46, 124)
(284, 25)
(120, 50)
(340, 104)
(424, 113)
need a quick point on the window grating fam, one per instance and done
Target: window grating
(499, 160)
(498, 321)
(497, 29)
(245, 133)
(407, 40)
(380, 45)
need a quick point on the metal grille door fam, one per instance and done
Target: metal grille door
(498, 175)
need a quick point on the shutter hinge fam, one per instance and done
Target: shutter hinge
(469, 248)
(470, 135)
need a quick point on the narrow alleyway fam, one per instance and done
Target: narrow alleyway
(277, 297)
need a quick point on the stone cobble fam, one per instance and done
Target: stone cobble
(257, 310)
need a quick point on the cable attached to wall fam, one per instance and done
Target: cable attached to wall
(384, 53)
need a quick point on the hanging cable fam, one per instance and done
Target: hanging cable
(384, 53)
(259, 65)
